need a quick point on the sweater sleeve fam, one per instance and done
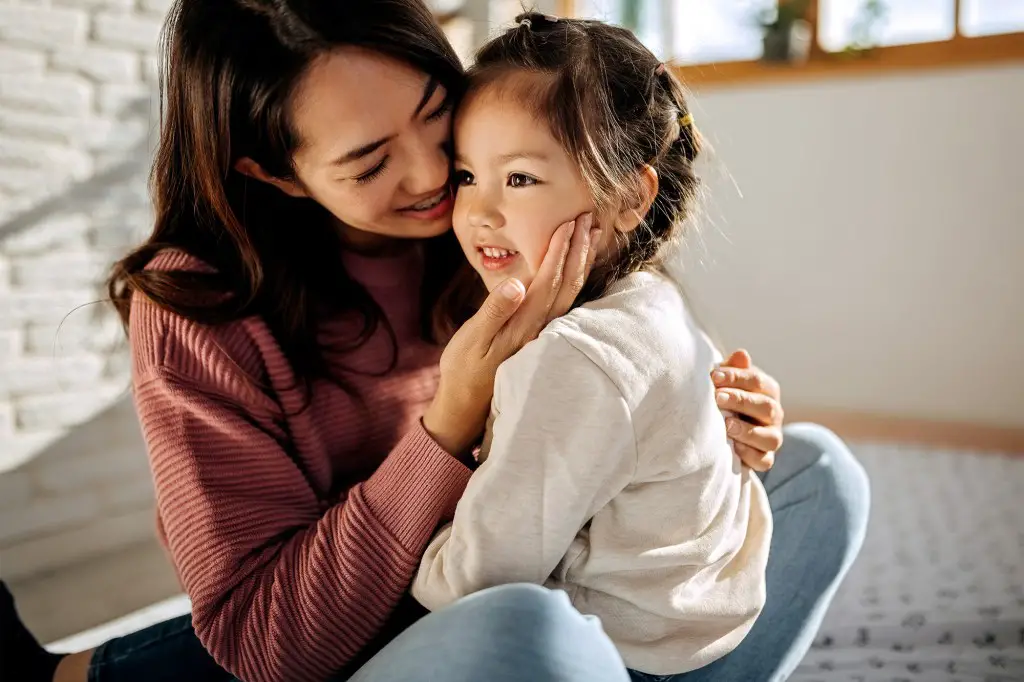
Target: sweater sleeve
(283, 587)
(561, 447)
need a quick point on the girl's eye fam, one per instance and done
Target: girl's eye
(463, 178)
(438, 114)
(520, 180)
(373, 173)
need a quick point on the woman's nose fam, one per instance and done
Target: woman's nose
(429, 168)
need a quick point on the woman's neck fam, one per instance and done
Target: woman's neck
(373, 245)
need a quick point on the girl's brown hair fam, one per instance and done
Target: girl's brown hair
(614, 108)
(228, 72)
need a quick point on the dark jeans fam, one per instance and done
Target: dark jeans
(165, 652)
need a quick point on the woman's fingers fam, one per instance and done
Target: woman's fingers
(763, 438)
(533, 313)
(739, 358)
(501, 304)
(558, 282)
(754, 398)
(750, 379)
(762, 409)
(456, 415)
(758, 460)
(577, 265)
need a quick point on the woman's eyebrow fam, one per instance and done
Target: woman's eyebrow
(428, 91)
(365, 150)
(360, 152)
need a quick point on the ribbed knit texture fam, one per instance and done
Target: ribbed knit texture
(295, 532)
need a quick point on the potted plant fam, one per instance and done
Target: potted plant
(787, 33)
(865, 28)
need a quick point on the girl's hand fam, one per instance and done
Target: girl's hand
(754, 397)
(508, 319)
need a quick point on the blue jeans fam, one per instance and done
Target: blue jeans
(165, 652)
(819, 498)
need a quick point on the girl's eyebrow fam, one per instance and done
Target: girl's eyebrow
(516, 156)
(510, 157)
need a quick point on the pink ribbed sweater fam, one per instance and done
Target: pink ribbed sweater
(295, 532)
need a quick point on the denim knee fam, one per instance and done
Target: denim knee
(840, 482)
(526, 603)
(502, 634)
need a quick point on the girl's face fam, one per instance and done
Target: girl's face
(373, 139)
(514, 186)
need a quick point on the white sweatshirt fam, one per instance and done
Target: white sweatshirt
(607, 474)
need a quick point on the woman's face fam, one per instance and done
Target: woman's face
(373, 140)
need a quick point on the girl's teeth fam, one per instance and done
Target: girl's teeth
(492, 252)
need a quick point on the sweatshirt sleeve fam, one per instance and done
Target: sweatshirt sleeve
(561, 447)
(283, 587)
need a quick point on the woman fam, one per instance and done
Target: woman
(282, 361)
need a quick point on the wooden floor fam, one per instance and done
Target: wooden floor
(57, 604)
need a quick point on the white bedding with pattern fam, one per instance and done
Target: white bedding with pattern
(937, 594)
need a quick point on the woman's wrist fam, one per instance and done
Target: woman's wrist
(448, 431)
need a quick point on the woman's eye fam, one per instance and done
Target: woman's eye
(438, 114)
(520, 180)
(373, 173)
(463, 178)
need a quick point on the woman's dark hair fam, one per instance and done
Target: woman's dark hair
(614, 108)
(228, 72)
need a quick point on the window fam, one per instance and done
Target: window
(991, 17)
(714, 32)
(894, 22)
(685, 31)
(846, 36)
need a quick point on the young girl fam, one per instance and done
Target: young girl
(604, 431)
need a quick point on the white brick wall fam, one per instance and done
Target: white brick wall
(127, 30)
(14, 60)
(77, 103)
(101, 64)
(36, 26)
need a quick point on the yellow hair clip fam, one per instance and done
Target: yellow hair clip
(686, 120)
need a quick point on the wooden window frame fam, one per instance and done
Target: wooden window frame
(958, 51)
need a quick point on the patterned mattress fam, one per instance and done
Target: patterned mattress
(937, 594)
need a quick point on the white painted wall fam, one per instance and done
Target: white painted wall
(875, 261)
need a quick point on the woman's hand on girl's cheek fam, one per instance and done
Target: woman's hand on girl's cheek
(754, 397)
(576, 266)
(508, 319)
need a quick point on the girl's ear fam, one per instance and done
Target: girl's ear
(630, 217)
(247, 166)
